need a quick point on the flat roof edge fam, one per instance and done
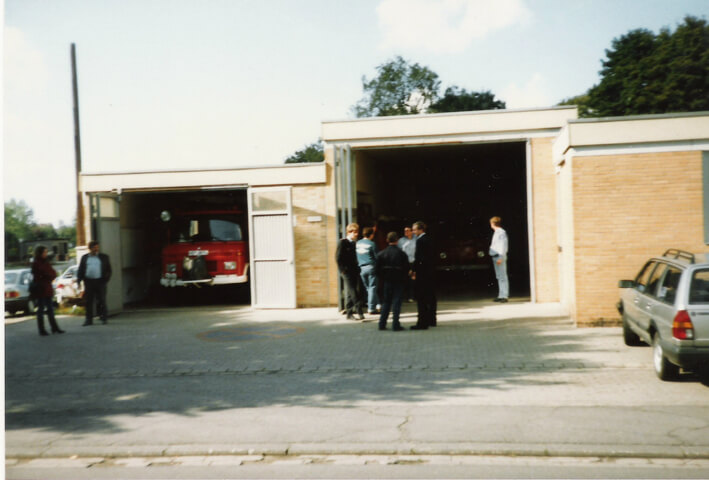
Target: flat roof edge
(209, 170)
(452, 114)
(630, 118)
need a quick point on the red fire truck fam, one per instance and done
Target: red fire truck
(205, 247)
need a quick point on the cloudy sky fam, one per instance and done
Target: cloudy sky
(180, 84)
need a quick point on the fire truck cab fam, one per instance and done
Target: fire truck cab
(205, 248)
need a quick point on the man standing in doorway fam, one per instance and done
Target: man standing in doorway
(424, 277)
(346, 257)
(95, 271)
(408, 244)
(367, 258)
(498, 251)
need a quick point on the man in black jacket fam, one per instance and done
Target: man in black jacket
(392, 271)
(346, 257)
(424, 276)
(94, 271)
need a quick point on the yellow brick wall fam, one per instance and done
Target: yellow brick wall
(312, 251)
(627, 208)
(546, 256)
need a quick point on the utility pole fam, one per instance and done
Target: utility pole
(80, 231)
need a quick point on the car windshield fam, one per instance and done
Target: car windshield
(223, 228)
(11, 278)
(699, 289)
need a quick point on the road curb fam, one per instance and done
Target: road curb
(357, 449)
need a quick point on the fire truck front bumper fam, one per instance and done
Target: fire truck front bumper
(171, 280)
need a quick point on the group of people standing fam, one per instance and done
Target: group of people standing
(405, 267)
(94, 270)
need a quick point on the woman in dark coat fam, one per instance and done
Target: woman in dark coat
(43, 273)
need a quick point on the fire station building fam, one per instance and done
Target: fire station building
(584, 201)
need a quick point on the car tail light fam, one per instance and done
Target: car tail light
(12, 294)
(682, 327)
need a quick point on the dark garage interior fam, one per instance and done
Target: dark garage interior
(143, 236)
(454, 189)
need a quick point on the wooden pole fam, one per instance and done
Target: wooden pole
(80, 227)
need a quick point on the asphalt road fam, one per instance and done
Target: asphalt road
(192, 388)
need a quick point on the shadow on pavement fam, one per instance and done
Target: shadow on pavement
(209, 359)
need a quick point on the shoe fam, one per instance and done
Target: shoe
(496, 299)
(350, 316)
(503, 300)
(360, 316)
(417, 327)
(374, 312)
(58, 331)
(43, 334)
(382, 328)
(410, 300)
(86, 324)
(398, 328)
(433, 325)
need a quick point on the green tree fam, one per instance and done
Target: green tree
(19, 221)
(400, 88)
(457, 99)
(647, 73)
(310, 154)
(581, 101)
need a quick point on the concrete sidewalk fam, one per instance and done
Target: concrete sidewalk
(514, 379)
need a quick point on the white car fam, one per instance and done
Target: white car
(66, 287)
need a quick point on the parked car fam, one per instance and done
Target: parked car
(67, 290)
(667, 306)
(17, 291)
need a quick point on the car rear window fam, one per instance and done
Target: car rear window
(10, 278)
(699, 288)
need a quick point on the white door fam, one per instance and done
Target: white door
(271, 248)
(106, 229)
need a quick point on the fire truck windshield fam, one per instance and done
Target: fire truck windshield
(206, 229)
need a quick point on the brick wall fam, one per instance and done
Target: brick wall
(627, 208)
(312, 251)
(546, 256)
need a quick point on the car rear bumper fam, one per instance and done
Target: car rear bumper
(687, 356)
(14, 304)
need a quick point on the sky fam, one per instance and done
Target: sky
(184, 84)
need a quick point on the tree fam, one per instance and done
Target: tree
(580, 101)
(457, 99)
(398, 89)
(647, 73)
(19, 220)
(310, 154)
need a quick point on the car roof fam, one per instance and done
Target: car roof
(18, 270)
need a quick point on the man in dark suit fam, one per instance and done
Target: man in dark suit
(348, 265)
(424, 276)
(94, 271)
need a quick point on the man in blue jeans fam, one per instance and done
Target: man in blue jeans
(498, 251)
(367, 259)
(392, 271)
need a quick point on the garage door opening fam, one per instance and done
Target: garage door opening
(196, 221)
(454, 190)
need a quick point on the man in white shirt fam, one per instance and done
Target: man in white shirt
(408, 244)
(498, 251)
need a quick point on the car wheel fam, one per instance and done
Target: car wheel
(31, 307)
(629, 336)
(664, 369)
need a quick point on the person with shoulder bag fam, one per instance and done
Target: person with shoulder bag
(42, 275)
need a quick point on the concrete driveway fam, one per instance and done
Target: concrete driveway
(515, 379)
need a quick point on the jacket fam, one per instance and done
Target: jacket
(425, 256)
(346, 257)
(42, 274)
(392, 265)
(105, 267)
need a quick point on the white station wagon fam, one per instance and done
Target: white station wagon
(667, 306)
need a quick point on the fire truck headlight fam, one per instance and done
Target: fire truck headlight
(171, 268)
(229, 265)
